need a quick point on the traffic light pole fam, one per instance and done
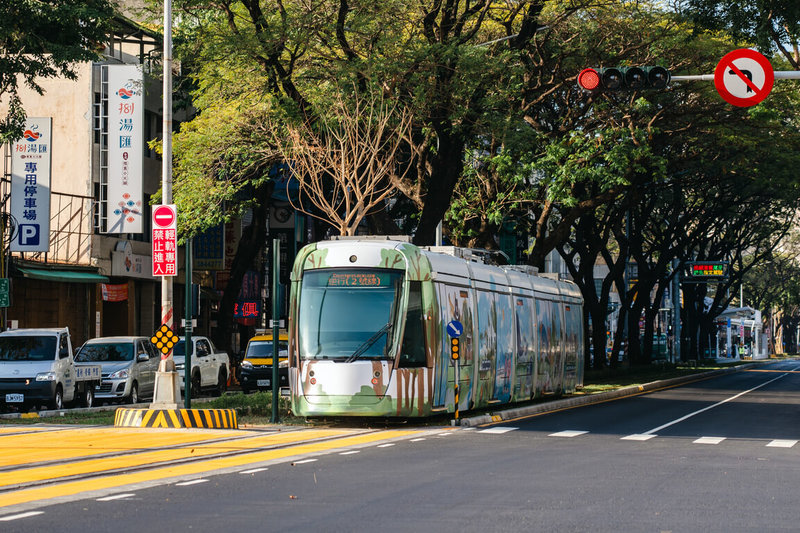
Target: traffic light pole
(779, 75)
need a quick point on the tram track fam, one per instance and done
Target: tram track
(47, 472)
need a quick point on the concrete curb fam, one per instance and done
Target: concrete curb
(576, 401)
(176, 418)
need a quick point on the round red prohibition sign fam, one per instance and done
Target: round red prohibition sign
(744, 77)
(164, 216)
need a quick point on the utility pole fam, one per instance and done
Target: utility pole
(676, 310)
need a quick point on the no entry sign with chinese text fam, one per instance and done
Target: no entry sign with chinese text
(165, 240)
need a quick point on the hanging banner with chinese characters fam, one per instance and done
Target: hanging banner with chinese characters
(125, 149)
(30, 186)
(114, 293)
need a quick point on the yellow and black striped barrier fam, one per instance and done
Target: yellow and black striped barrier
(176, 418)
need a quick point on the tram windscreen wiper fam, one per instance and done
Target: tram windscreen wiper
(369, 342)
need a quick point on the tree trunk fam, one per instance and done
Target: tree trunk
(251, 245)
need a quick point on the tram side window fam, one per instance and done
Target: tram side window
(412, 352)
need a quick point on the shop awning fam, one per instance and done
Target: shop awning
(69, 276)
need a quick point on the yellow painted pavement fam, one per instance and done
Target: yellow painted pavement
(23, 429)
(71, 488)
(192, 450)
(70, 443)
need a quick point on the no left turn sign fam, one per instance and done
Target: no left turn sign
(744, 77)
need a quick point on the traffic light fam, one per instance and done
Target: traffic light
(454, 348)
(594, 80)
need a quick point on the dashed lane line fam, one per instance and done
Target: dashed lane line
(708, 440)
(497, 430)
(639, 437)
(9, 518)
(781, 443)
(570, 433)
(122, 496)
(253, 471)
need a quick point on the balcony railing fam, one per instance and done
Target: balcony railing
(70, 227)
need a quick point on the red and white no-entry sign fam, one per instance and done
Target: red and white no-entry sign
(744, 77)
(165, 240)
(164, 216)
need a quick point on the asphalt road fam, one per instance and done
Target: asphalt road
(716, 455)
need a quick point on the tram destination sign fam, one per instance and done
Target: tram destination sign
(706, 271)
(358, 279)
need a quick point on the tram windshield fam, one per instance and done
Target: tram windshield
(347, 314)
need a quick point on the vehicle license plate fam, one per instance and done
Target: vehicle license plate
(262, 382)
(15, 398)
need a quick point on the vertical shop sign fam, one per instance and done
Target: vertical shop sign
(30, 186)
(125, 149)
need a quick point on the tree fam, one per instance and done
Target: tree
(44, 40)
(770, 24)
(348, 162)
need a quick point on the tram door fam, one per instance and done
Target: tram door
(526, 348)
(456, 304)
(504, 362)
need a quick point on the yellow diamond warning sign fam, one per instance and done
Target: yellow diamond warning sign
(164, 339)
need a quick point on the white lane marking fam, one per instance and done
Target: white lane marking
(19, 516)
(351, 452)
(192, 482)
(253, 471)
(639, 437)
(116, 497)
(445, 434)
(778, 443)
(704, 409)
(709, 440)
(497, 430)
(417, 440)
(304, 461)
(388, 444)
(568, 433)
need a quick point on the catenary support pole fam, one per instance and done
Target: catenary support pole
(676, 315)
(276, 265)
(188, 348)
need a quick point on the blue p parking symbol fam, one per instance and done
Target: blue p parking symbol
(29, 235)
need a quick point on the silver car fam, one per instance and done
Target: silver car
(129, 367)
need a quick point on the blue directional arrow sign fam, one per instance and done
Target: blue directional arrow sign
(455, 328)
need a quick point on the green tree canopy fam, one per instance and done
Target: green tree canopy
(44, 39)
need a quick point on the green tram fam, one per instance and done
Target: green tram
(368, 330)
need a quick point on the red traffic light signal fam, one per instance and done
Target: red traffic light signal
(593, 80)
(589, 79)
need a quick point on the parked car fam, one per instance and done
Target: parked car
(129, 366)
(210, 366)
(256, 367)
(37, 367)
